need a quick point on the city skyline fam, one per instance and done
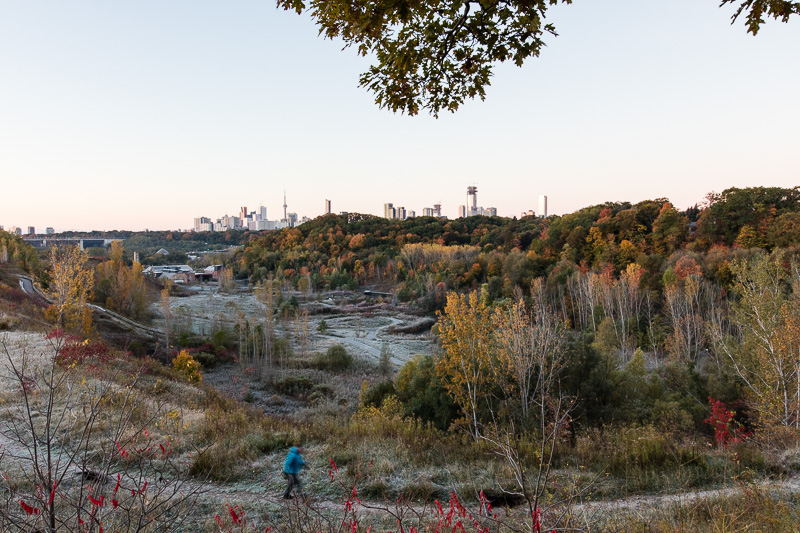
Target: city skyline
(147, 116)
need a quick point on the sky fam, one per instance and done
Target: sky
(147, 114)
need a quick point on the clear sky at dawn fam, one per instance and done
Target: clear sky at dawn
(146, 114)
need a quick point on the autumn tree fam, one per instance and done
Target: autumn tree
(435, 55)
(121, 288)
(766, 353)
(265, 294)
(70, 287)
(530, 349)
(464, 366)
(166, 311)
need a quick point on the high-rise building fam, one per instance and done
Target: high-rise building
(243, 213)
(388, 211)
(400, 213)
(490, 212)
(31, 230)
(427, 211)
(437, 210)
(200, 223)
(411, 214)
(543, 206)
(462, 211)
(263, 212)
(48, 230)
(327, 207)
(472, 201)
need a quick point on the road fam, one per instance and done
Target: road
(27, 285)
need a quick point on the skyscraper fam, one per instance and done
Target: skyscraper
(543, 206)
(327, 207)
(388, 210)
(472, 201)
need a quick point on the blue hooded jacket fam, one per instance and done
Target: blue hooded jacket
(294, 462)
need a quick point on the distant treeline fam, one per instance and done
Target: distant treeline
(423, 257)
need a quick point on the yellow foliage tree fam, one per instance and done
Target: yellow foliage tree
(70, 287)
(122, 287)
(465, 366)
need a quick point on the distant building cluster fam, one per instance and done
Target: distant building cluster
(470, 209)
(399, 213)
(542, 213)
(14, 230)
(251, 220)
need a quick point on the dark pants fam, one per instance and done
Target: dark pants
(293, 480)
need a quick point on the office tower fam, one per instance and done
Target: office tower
(48, 231)
(462, 211)
(200, 223)
(491, 211)
(388, 211)
(327, 207)
(543, 206)
(400, 213)
(427, 211)
(263, 212)
(411, 214)
(472, 200)
(437, 210)
(31, 230)
(243, 213)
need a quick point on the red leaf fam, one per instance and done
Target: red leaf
(233, 515)
(27, 508)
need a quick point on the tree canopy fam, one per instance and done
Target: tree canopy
(434, 54)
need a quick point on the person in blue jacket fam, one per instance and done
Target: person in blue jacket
(291, 468)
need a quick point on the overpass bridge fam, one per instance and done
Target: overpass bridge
(42, 243)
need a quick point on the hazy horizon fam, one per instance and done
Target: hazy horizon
(120, 116)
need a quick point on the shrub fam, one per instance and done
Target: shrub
(75, 351)
(185, 364)
(207, 360)
(323, 326)
(374, 396)
(274, 442)
(335, 359)
(294, 385)
(422, 394)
